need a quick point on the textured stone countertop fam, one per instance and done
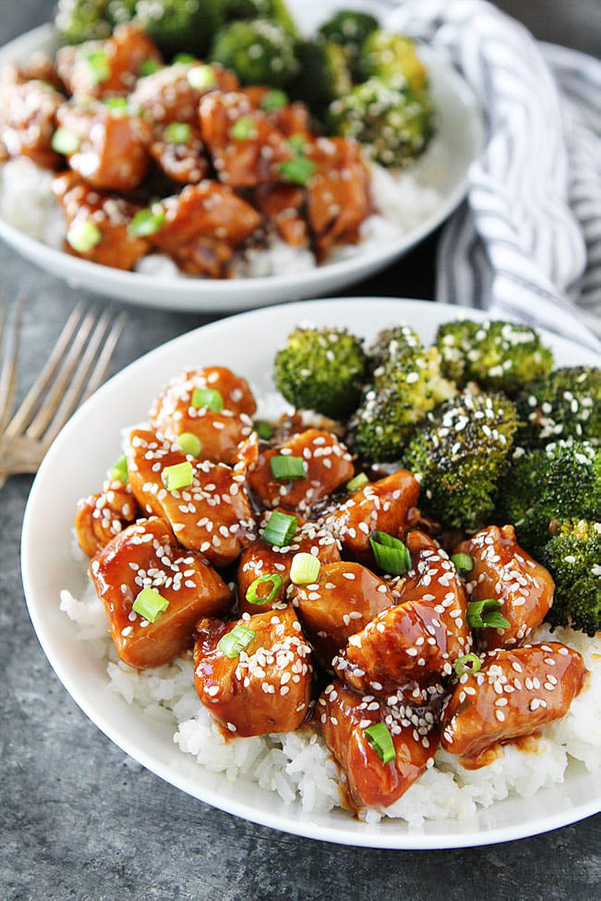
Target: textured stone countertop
(80, 820)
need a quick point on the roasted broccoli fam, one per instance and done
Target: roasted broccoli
(179, 25)
(273, 10)
(349, 28)
(500, 356)
(406, 383)
(573, 557)
(387, 55)
(393, 123)
(323, 74)
(258, 51)
(322, 370)
(82, 20)
(558, 481)
(460, 451)
(565, 404)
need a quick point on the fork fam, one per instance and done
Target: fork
(73, 371)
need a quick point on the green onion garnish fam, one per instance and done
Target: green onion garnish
(146, 222)
(244, 128)
(358, 482)
(149, 67)
(298, 170)
(84, 235)
(380, 739)
(305, 569)
(150, 604)
(183, 58)
(297, 142)
(180, 475)
(97, 64)
(118, 470)
(390, 553)
(463, 562)
(236, 641)
(485, 615)
(207, 397)
(280, 529)
(470, 663)
(202, 77)
(178, 132)
(190, 444)
(274, 100)
(65, 141)
(120, 106)
(263, 430)
(286, 468)
(252, 592)
(116, 102)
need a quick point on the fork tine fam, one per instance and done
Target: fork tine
(106, 354)
(9, 358)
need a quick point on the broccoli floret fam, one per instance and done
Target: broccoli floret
(322, 370)
(387, 55)
(82, 20)
(179, 25)
(565, 404)
(406, 383)
(258, 51)
(393, 123)
(560, 480)
(349, 28)
(500, 356)
(573, 557)
(323, 74)
(460, 451)
(273, 10)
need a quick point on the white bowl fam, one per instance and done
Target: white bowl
(460, 139)
(75, 466)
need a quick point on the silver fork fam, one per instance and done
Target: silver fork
(75, 368)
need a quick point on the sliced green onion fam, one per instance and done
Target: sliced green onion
(118, 470)
(180, 475)
(358, 482)
(252, 592)
(298, 170)
(305, 569)
(207, 397)
(380, 740)
(463, 562)
(183, 58)
(280, 529)
(263, 430)
(178, 132)
(286, 468)
(116, 102)
(190, 444)
(84, 235)
(120, 106)
(97, 64)
(236, 641)
(274, 100)
(65, 141)
(485, 615)
(146, 222)
(390, 553)
(202, 77)
(244, 128)
(469, 663)
(297, 142)
(150, 604)
(149, 67)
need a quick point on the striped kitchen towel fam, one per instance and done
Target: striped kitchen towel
(526, 244)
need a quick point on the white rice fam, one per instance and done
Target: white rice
(298, 766)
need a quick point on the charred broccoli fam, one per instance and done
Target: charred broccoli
(387, 55)
(322, 370)
(274, 11)
(179, 25)
(406, 383)
(573, 557)
(82, 20)
(565, 404)
(349, 28)
(323, 74)
(258, 51)
(460, 450)
(500, 356)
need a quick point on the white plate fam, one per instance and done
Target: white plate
(75, 466)
(459, 135)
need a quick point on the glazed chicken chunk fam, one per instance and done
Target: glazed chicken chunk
(147, 556)
(103, 515)
(170, 95)
(254, 675)
(179, 151)
(284, 206)
(27, 121)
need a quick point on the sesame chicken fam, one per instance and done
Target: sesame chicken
(283, 205)
(169, 96)
(27, 121)
(103, 515)
(183, 159)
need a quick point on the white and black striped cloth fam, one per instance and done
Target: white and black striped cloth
(526, 244)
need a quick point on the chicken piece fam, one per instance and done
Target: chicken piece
(27, 121)
(263, 559)
(290, 119)
(109, 214)
(342, 601)
(38, 67)
(327, 466)
(183, 159)
(381, 506)
(203, 227)
(173, 413)
(345, 715)
(146, 555)
(515, 693)
(264, 688)
(283, 206)
(113, 150)
(103, 515)
(246, 148)
(505, 572)
(167, 95)
(413, 645)
(106, 68)
(212, 516)
(337, 193)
